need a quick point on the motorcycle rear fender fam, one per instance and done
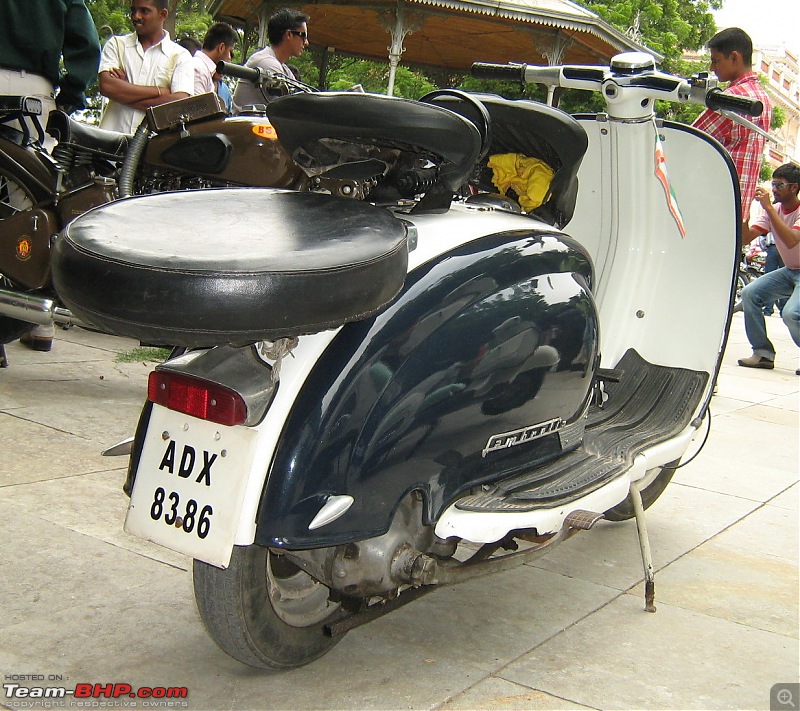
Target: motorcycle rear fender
(33, 169)
(481, 367)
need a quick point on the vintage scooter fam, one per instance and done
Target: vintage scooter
(428, 384)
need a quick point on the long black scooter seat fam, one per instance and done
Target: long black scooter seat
(229, 266)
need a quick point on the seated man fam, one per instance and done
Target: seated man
(782, 219)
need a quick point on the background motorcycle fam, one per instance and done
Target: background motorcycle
(409, 391)
(38, 196)
(185, 144)
(750, 267)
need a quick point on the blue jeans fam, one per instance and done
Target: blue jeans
(772, 262)
(783, 283)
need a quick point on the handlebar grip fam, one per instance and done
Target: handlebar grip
(501, 72)
(716, 99)
(238, 71)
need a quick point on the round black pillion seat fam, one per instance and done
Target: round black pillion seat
(229, 266)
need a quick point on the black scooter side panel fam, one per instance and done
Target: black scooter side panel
(497, 336)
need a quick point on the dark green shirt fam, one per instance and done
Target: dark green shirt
(35, 34)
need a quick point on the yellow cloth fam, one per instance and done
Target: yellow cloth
(530, 178)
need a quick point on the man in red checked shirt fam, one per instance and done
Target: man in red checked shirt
(731, 61)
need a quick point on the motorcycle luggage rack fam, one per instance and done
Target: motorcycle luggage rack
(25, 105)
(176, 114)
(18, 107)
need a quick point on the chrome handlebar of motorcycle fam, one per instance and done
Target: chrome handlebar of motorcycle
(263, 78)
(629, 73)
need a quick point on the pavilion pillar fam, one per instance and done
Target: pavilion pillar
(398, 32)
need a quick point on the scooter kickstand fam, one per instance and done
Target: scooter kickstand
(644, 546)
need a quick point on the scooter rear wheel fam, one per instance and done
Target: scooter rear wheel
(263, 610)
(624, 510)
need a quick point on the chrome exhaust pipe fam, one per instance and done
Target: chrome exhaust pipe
(35, 309)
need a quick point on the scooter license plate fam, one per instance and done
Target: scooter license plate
(190, 484)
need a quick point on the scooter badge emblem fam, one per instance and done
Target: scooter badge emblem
(521, 436)
(24, 248)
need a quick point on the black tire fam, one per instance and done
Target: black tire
(245, 613)
(624, 510)
(742, 280)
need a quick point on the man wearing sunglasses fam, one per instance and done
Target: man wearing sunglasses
(287, 31)
(781, 217)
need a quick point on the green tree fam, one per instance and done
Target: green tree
(344, 72)
(185, 17)
(778, 117)
(374, 78)
(668, 26)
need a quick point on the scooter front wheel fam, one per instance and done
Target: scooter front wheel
(624, 510)
(263, 610)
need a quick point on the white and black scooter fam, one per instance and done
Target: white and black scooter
(398, 386)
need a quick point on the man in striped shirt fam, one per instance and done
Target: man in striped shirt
(731, 61)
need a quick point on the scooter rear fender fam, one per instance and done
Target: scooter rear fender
(495, 337)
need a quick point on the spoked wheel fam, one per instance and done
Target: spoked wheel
(263, 610)
(624, 510)
(742, 280)
(14, 198)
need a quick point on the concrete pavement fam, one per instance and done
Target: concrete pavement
(83, 602)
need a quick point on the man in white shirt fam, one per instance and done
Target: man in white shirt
(218, 46)
(142, 69)
(288, 37)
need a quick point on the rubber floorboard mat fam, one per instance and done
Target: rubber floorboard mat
(650, 404)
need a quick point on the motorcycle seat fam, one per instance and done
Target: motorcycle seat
(313, 123)
(229, 266)
(66, 130)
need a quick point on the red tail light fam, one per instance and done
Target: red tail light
(195, 397)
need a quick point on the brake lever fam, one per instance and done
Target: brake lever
(747, 123)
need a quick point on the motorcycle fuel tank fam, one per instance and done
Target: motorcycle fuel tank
(240, 150)
(481, 368)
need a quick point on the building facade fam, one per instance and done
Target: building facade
(782, 71)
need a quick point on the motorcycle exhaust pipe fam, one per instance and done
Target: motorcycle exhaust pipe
(35, 309)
